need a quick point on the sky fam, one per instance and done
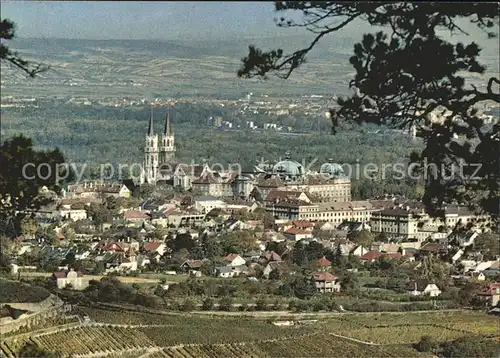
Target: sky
(160, 20)
(141, 20)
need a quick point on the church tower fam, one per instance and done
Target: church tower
(150, 168)
(167, 145)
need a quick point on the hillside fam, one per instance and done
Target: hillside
(102, 68)
(16, 292)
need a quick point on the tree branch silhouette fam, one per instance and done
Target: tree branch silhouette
(7, 32)
(403, 77)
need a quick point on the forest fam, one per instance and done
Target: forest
(95, 136)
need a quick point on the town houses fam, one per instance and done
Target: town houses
(277, 222)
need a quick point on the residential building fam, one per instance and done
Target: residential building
(234, 260)
(490, 294)
(230, 271)
(325, 282)
(70, 278)
(397, 222)
(297, 234)
(205, 204)
(323, 264)
(423, 287)
(155, 247)
(272, 266)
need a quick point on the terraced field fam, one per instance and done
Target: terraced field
(134, 334)
(89, 339)
(317, 345)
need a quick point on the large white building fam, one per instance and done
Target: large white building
(329, 184)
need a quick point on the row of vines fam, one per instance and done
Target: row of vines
(85, 340)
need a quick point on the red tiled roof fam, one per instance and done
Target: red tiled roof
(193, 263)
(152, 246)
(324, 262)
(60, 236)
(371, 255)
(113, 246)
(489, 290)
(282, 194)
(230, 257)
(296, 231)
(271, 256)
(324, 276)
(134, 214)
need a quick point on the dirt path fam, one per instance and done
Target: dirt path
(124, 279)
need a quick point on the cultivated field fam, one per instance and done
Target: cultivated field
(124, 334)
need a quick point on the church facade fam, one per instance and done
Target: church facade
(159, 151)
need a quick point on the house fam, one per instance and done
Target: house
(371, 256)
(422, 287)
(273, 265)
(303, 224)
(82, 254)
(433, 248)
(284, 195)
(352, 226)
(323, 264)
(359, 251)
(155, 247)
(297, 234)
(325, 282)
(143, 260)
(252, 255)
(129, 261)
(457, 255)
(112, 246)
(205, 204)
(230, 271)
(479, 276)
(327, 226)
(483, 266)
(234, 260)
(269, 256)
(118, 191)
(490, 294)
(271, 235)
(73, 278)
(388, 248)
(135, 216)
(73, 214)
(463, 239)
(192, 266)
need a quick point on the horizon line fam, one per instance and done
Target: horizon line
(190, 38)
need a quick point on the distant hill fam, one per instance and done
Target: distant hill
(188, 48)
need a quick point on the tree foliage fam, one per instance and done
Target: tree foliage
(23, 172)
(7, 32)
(403, 76)
(470, 346)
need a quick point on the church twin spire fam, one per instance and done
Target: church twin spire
(167, 131)
(151, 129)
(156, 156)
